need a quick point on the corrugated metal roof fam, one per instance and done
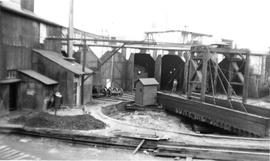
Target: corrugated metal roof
(148, 81)
(42, 78)
(57, 58)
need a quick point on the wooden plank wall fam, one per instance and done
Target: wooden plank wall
(119, 70)
(130, 68)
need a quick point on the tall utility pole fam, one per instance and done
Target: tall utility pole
(70, 31)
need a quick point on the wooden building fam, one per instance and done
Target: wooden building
(146, 91)
(20, 31)
(68, 74)
(34, 90)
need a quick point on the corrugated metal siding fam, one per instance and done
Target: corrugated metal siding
(54, 31)
(19, 36)
(18, 31)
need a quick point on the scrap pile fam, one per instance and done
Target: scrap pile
(45, 120)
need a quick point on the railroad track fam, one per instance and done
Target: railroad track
(125, 97)
(167, 149)
(160, 147)
(7, 153)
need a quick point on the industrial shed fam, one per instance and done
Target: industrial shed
(146, 91)
(34, 90)
(68, 74)
(20, 31)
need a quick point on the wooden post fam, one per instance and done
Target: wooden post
(263, 71)
(139, 146)
(155, 55)
(83, 70)
(204, 75)
(112, 71)
(246, 79)
(215, 64)
(78, 91)
(188, 77)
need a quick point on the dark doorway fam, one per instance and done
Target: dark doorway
(13, 97)
(144, 66)
(172, 67)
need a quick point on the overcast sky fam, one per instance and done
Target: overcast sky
(244, 21)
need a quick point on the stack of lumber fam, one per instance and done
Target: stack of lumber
(169, 149)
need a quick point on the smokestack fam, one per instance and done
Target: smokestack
(28, 5)
(70, 31)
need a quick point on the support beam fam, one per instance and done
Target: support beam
(204, 75)
(189, 76)
(186, 73)
(246, 80)
(83, 61)
(103, 40)
(147, 47)
(113, 53)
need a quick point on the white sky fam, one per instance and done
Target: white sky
(244, 21)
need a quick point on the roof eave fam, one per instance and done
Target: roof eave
(28, 15)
